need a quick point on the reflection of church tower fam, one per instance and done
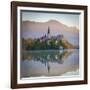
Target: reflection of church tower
(48, 33)
(47, 66)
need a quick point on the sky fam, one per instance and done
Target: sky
(68, 19)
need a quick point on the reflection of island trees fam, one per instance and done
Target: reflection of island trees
(45, 56)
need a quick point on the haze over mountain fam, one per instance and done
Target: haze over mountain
(31, 29)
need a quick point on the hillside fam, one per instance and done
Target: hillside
(67, 45)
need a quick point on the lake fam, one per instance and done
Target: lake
(49, 63)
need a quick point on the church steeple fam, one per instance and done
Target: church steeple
(48, 33)
(48, 30)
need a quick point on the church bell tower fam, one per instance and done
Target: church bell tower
(48, 33)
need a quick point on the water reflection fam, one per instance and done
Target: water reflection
(49, 62)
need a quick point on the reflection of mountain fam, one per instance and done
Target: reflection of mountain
(32, 29)
(49, 63)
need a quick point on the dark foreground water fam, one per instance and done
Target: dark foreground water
(50, 63)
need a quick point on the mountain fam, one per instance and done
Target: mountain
(32, 29)
(53, 24)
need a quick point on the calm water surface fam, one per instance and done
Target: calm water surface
(49, 63)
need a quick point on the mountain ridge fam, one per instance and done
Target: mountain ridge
(53, 23)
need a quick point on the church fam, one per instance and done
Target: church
(48, 36)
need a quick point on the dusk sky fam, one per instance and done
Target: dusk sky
(68, 19)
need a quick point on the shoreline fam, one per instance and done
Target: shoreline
(49, 50)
